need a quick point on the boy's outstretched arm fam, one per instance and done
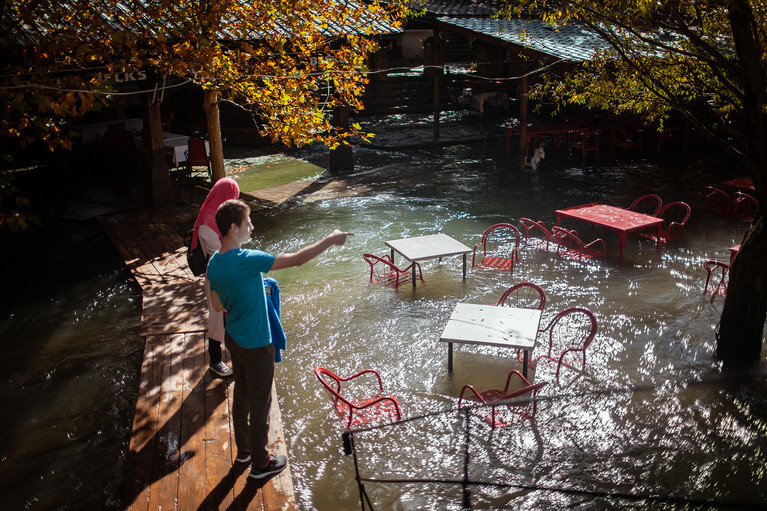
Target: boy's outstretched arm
(309, 252)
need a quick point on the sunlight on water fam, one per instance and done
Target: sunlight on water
(591, 432)
(73, 348)
(630, 424)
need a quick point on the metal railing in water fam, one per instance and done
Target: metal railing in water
(350, 438)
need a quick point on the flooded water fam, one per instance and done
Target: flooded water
(639, 423)
(70, 332)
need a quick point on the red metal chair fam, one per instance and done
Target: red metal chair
(166, 116)
(544, 237)
(674, 216)
(197, 155)
(525, 295)
(649, 204)
(500, 235)
(518, 408)
(744, 206)
(586, 142)
(721, 279)
(624, 139)
(383, 271)
(572, 246)
(358, 412)
(716, 200)
(571, 331)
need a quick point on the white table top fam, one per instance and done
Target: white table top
(178, 143)
(432, 246)
(492, 325)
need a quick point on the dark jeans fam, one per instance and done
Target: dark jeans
(253, 375)
(214, 351)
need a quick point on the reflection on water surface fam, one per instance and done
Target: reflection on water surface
(592, 433)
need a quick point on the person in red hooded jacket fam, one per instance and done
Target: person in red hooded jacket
(207, 234)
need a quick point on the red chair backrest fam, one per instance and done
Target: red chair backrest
(525, 293)
(715, 199)
(197, 153)
(745, 206)
(514, 233)
(675, 212)
(649, 204)
(532, 225)
(572, 328)
(326, 377)
(373, 259)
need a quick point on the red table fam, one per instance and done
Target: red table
(620, 220)
(745, 184)
(733, 251)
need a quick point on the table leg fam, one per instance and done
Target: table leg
(392, 256)
(559, 220)
(524, 364)
(413, 274)
(450, 357)
(622, 242)
(464, 266)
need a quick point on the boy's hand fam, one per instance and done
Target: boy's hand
(338, 237)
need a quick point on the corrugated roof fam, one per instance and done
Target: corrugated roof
(573, 42)
(457, 7)
(14, 33)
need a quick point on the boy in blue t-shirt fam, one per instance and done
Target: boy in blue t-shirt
(236, 283)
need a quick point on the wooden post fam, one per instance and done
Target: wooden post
(436, 105)
(436, 48)
(523, 120)
(159, 189)
(433, 59)
(341, 158)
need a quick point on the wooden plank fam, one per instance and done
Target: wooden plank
(137, 230)
(172, 308)
(133, 258)
(278, 491)
(163, 241)
(141, 447)
(182, 448)
(164, 469)
(191, 473)
(220, 469)
(114, 236)
(144, 272)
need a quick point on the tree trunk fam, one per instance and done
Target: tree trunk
(159, 188)
(210, 107)
(341, 158)
(739, 339)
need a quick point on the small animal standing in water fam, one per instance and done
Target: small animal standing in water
(538, 155)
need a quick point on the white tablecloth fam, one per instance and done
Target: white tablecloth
(179, 144)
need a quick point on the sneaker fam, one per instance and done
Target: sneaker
(275, 465)
(221, 369)
(242, 457)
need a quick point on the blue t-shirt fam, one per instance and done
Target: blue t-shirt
(237, 277)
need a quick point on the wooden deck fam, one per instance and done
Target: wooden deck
(181, 453)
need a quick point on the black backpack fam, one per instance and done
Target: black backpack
(196, 258)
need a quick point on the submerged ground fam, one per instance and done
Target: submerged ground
(650, 420)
